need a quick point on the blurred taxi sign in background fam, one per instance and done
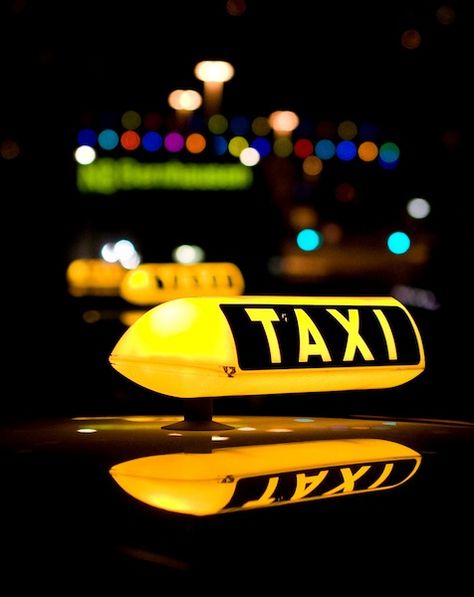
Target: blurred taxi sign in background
(244, 477)
(154, 283)
(224, 346)
(94, 277)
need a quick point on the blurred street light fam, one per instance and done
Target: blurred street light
(184, 101)
(214, 73)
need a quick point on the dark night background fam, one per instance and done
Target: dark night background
(65, 62)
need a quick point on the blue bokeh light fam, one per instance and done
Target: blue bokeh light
(87, 137)
(308, 239)
(262, 145)
(398, 243)
(368, 131)
(346, 150)
(239, 125)
(152, 141)
(220, 144)
(108, 139)
(325, 149)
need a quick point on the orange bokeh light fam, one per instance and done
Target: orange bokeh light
(368, 151)
(195, 143)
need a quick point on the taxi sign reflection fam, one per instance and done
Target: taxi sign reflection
(221, 346)
(231, 479)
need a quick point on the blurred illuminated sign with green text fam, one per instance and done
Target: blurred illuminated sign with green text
(107, 176)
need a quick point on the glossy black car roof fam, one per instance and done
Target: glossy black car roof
(409, 512)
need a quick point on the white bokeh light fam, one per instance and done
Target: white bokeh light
(131, 261)
(85, 155)
(123, 251)
(188, 254)
(418, 208)
(108, 253)
(249, 156)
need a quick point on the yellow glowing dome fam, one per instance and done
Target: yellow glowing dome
(226, 346)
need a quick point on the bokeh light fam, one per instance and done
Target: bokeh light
(325, 149)
(217, 71)
(152, 141)
(283, 147)
(152, 121)
(303, 148)
(217, 124)
(368, 151)
(347, 130)
(398, 243)
(368, 131)
(283, 121)
(312, 166)
(123, 251)
(325, 128)
(308, 239)
(174, 142)
(445, 14)
(261, 126)
(235, 8)
(87, 137)
(411, 39)
(9, 149)
(389, 153)
(249, 156)
(108, 254)
(345, 192)
(220, 145)
(332, 233)
(195, 143)
(108, 139)
(346, 151)
(131, 120)
(303, 216)
(188, 254)
(190, 100)
(262, 145)
(130, 140)
(185, 99)
(239, 125)
(84, 155)
(237, 145)
(418, 208)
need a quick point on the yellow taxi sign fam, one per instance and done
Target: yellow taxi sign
(154, 283)
(94, 277)
(221, 346)
(244, 477)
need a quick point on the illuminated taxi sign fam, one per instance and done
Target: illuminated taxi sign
(237, 478)
(224, 346)
(94, 277)
(153, 283)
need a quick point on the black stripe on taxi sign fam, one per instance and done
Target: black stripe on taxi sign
(307, 336)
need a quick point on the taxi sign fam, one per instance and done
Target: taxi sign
(221, 346)
(244, 477)
(154, 283)
(94, 277)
